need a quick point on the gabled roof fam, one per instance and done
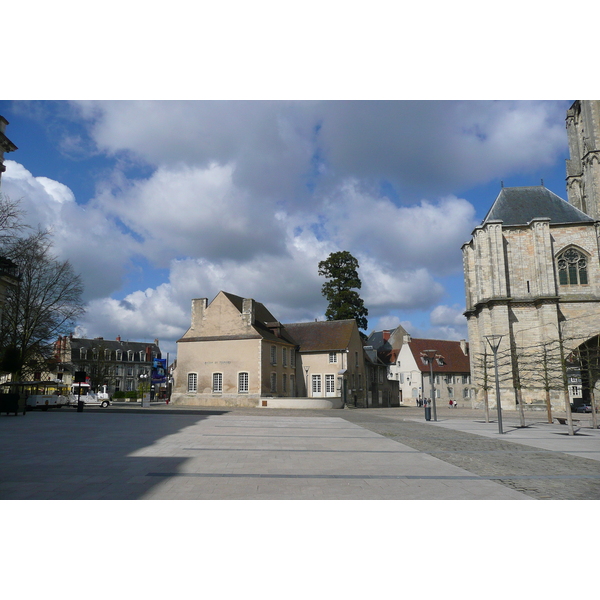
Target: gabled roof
(263, 318)
(453, 358)
(520, 205)
(322, 336)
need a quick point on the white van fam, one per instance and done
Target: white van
(82, 391)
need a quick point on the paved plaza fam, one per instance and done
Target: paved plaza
(171, 453)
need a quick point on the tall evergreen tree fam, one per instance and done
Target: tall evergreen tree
(341, 270)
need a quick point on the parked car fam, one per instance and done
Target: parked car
(584, 408)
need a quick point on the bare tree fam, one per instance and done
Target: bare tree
(43, 306)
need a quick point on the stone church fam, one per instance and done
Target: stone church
(532, 276)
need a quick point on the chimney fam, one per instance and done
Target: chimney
(198, 309)
(248, 312)
(386, 335)
(118, 338)
(156, 342)
(463, 346)
(406, 339)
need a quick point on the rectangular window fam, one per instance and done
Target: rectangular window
(329, 384)
(292, 385)
(273, 383)
(192, 382)
(466, 393)
(83, 354)
(293, 358)
(401, 377)
(129, 385)
(465, 379)
(107, 355)
(332, 357)
(273, 355)
(217, 383)
(316, 384)
(243, 383)
(284, 383)
(356, 359)
(380, 375)
(119, 355)
(129, 370)
(360, 381)
(451, 392)
(284, 358)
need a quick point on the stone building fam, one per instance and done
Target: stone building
(120, 365)
(236, 353)
(451, 371)
(583, 165)
(5, 145)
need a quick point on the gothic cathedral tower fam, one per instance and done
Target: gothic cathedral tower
(583, 167)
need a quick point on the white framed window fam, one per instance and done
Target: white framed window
(142, 356)
(316, 384)
(129, 355)
(332, 357)
(243, 383)
(284, 357)
(273, 383)
(192, 382)
(217, 386)
(129, 385)
(273, 355)
(466, 379)
(83, 354)
(107, 354)
(329, 384)
(119, 355)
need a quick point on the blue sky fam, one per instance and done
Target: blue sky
(159, 202)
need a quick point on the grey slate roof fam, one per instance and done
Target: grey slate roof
(519, 205)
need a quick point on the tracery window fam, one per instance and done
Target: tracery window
(572, 268)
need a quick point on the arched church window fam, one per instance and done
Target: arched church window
(572, 268)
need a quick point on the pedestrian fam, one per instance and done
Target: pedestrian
(450, 403)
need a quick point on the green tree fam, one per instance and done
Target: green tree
(341, 271)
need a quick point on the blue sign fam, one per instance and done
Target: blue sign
(159, 370)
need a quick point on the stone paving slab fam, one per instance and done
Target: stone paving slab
(112, 455)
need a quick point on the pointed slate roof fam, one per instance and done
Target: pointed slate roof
(520, 205)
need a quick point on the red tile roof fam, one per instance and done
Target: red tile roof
(454, 359)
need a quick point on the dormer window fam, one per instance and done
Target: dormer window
(83, 354)
(119, 355)
(572, 268)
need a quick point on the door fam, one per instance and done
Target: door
(329, 386)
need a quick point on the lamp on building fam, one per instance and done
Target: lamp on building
(430, 356)
(494, 342)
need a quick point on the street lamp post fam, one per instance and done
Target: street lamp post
(143, 378)
(430, 355)
(306, 370)
(491, 339)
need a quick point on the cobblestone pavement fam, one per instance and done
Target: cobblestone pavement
(541, 474)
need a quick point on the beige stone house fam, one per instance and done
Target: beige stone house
(331, 361)
(234, 354)
(237, 354)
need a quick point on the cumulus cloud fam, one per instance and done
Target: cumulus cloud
(85, 236)
(248, 197)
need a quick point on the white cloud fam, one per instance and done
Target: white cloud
(85, 236)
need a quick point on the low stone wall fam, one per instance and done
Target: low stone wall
(252, 401)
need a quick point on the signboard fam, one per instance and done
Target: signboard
(159, 370)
